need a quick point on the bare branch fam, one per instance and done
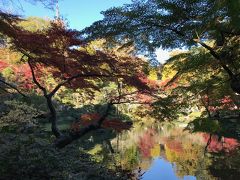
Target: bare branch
(13, 87)
(5, 90)
(35, 80)
(173, 79)
(208, 143)
(72, 78)
(131, 102)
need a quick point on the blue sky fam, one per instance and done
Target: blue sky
(79, 13)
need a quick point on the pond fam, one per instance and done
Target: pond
(169, 152)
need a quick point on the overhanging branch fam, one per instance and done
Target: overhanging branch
(72, 78)
(35, 79)
(13, 87)
(65, 140)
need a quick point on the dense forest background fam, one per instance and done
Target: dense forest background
(61, 89)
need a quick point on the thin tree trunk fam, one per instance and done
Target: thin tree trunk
(108, 142)
(53, 117)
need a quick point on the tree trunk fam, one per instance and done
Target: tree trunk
(235, 81)
(53, 117)
(235, 85)
(62, 141)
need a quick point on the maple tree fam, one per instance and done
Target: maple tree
(207, 87)
(152, 24)
(46, 59)
(61, 52)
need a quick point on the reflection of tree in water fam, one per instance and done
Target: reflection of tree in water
(184, 150)
(146, 142)
(191, 161)
(130, 157)
(222, 161)
(219, 144)
(176, 146)
(226, 166)
(225, 157)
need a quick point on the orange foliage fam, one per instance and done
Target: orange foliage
(62, 53)
(223, 144)
(3, 65)
(169, 86)
(116, 125)
(144, 98)
(23, 75)
(55, 48)
(88, 119)
(146, 143)
(175, 146)
(225, 103)
(153, 84)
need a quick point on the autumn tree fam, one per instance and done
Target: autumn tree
(60, 52)
(167, 24)
(201, 81)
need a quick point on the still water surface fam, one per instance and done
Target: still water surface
(162, 169)
(168, 153)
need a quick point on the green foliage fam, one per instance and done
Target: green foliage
(35, 24)
(27, 153)
(199, 80)
(18, 114)
(168, 108)
(169, 24)
(221, 127)
(8, 73)
(227, 170)
(151, 24)
(131, 155)
(143, 25)
(38, 102)
(204, 125)
(29, 156)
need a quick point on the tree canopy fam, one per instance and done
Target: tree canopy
(167, 24)
(61, 53)
(58, 85)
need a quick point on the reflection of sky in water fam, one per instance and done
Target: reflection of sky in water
(162, 170)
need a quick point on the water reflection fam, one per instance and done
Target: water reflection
(162, 169)
(169, 152)
(172, 153)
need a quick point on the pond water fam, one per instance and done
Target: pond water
(169, 153)
(163, 169)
